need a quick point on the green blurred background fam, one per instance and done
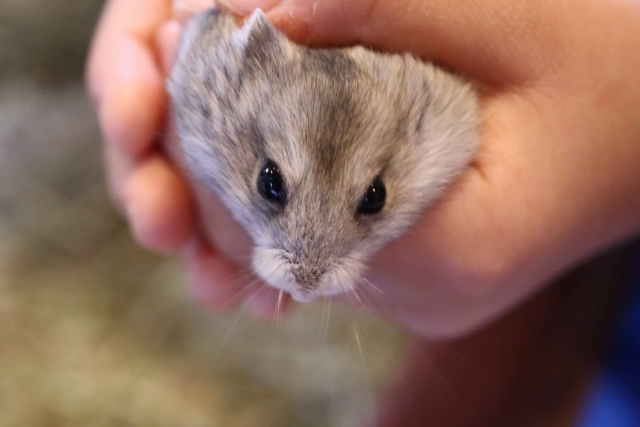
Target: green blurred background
(94, 331)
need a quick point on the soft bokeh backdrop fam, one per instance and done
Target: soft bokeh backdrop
(94, 331)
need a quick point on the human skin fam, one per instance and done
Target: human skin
(557, 179)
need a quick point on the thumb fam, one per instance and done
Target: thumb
(496, 41)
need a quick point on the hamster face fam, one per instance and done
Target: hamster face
(322, 155)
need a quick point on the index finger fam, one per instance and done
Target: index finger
(479, 38)
(123, 75)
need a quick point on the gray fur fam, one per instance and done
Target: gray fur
(333, 120)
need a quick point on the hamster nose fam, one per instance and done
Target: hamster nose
(306, 276)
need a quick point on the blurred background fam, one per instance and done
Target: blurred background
(94, 331)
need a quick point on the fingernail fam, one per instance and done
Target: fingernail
(247, 6)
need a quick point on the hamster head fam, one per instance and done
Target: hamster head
(323, 155)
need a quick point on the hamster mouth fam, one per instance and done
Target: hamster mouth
(275, 268)
(303, 296)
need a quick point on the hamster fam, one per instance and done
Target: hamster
(322, 155)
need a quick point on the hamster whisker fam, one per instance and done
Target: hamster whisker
(367, 376)
(363, 290)
(278, 310)
(391, 356)
(240, 273)
(370, 300)
(229, 281)
(344, 290)
(348, 289)
(235, 321)
(372, 285)
(357, 295)
(240, 294)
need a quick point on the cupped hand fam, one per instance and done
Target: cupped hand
(556, 180)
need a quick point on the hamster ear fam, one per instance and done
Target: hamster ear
(257, 30)
(260, 38)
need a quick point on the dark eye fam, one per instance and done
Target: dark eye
(271, 185)
(373, 200)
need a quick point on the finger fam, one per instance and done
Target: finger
(134, 20)
(184, 9)
(478, 38)
(131, 110)
(158, 206)
(119, 168)
(123, 76)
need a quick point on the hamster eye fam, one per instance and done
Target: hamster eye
(271, 185)
(373, 201)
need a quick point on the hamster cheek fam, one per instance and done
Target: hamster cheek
(271, 267)
(345, 279)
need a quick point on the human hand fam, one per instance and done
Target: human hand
(548, 188)
(557, 177)
(556, 180)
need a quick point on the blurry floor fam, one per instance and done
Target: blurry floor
(95, 331)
